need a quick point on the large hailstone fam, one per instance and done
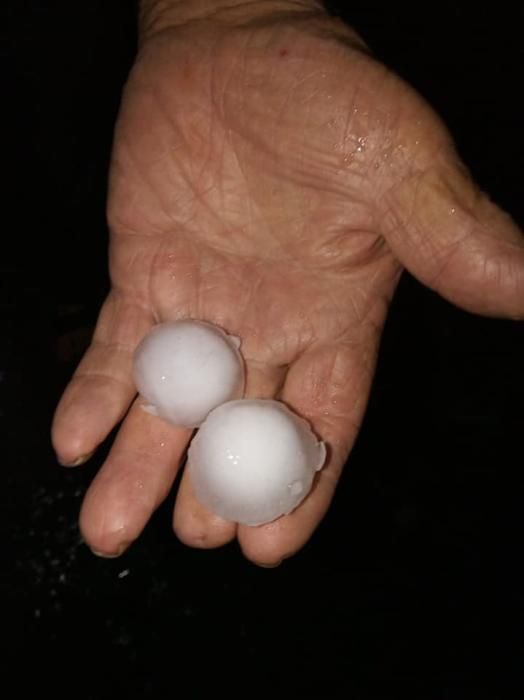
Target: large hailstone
(253, 461)
(184, 369)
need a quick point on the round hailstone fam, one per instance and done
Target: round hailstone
(253, 461)
(184, 369)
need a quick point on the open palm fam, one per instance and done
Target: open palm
(271, 178)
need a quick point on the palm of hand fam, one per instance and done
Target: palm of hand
(218, 200)
(247, 190)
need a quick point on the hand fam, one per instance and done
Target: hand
(270, 177)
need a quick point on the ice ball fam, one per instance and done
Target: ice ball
(253, 461)
(184, 369)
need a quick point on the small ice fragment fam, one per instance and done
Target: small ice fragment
(253, 461)
(149, 408)
(184, 369)
(235, 340)
(322, 455)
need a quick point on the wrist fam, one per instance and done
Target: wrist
(156, 15)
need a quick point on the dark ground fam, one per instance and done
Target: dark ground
(413, 584)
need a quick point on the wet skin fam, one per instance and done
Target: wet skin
(269, 176)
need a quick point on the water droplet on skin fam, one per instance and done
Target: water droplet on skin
(361, 141)
(235, 340)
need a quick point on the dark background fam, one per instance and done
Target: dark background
(413, 585)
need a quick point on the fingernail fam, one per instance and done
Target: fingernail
(112, 555)
(269, 566)
(78, 461)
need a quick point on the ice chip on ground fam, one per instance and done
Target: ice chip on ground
(253, 461)
(184, 369)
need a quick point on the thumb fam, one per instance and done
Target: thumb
(449, 235)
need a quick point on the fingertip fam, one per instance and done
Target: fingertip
(76, 462)
(267, 566)
(209, 534)
(270, 544)
(105, 526)
(196, 526)
(112, 554)
(67, 434)
(267, 545)
(88, 410)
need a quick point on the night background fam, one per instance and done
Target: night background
(413, 584)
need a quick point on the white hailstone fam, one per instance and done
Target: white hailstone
(184, 369)
(253, 461)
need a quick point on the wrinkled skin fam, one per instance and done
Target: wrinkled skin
(272, 178)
